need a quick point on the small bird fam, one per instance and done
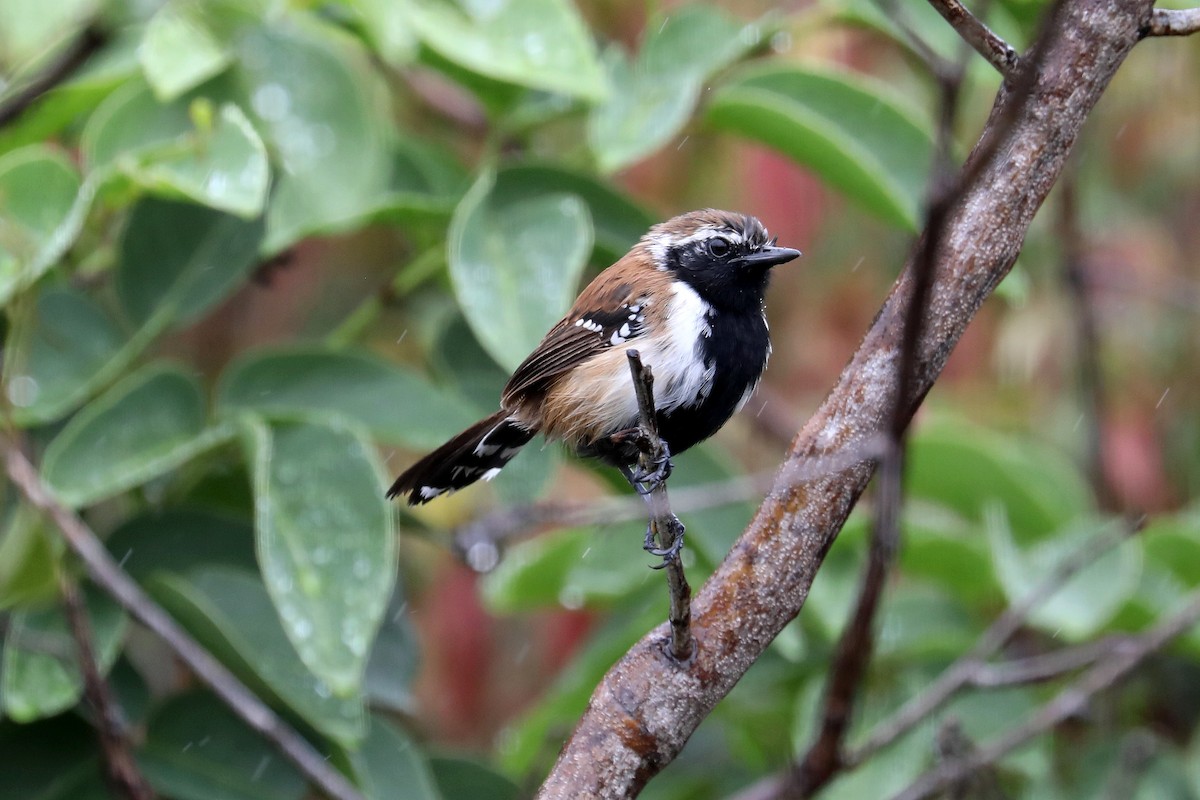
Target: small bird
(689, 297)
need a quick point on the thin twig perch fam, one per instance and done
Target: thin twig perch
(663, 523)
(120, 769)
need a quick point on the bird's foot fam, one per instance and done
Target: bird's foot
(660, 468)
(670, 552)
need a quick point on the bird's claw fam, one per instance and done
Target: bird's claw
(669, 553)
(646, 481)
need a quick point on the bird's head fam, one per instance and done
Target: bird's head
(726, 257)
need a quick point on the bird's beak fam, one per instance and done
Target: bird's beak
(770, 256)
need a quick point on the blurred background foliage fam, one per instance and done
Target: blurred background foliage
(255, 256)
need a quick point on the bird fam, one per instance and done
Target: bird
(689, 296)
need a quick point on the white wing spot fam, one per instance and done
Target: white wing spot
(587, 324)
(429, 492)
(624, 332)
(491, 473)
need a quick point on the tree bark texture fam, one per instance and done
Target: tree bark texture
(648, 705)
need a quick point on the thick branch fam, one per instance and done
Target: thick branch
(107, 574)
(1171, 22)
(644, 710)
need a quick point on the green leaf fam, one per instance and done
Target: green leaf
(389, 765)
(143, 427)
(197, 749)
(231, 614)
(324, 110)
(32, 29)
(1086, 602)
(71, 101)
(179, 259)
(161, 149)
(387, 28)
(426, 184)
(969, 469)
(920, 622)
(29, 558)
(542, 44)
(942, 548)
(42, 207)
(319, 385)
(224, 168)
(653, 98)
(460, 779)
(515, 267)
(40, 666)
(179, 51)
(395, 659)
(325, 544)
(178, 540)
(69, 341)
(852, 133)
(1173, 543)
(619, 222)
(533, 573)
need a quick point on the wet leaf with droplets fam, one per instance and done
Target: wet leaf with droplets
(319, 384)
(653, 95)
(326, 546)
(179, 50)
(542, 44)
(145, 426)
(324, 109)
(42, 205)
(68, 340)
(161, 148)
(230, 613)
(515, 266)
(40, 676)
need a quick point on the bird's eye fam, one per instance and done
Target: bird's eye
(718, 247)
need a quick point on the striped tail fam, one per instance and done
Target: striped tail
(478, 452)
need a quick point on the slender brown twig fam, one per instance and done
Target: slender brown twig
(961, 672)
(121, 772)
(108, 575)
(1173, 22)
(1045, 666)
(999, 53)
(665, 525)
(1067, 703)
(1087, 335)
